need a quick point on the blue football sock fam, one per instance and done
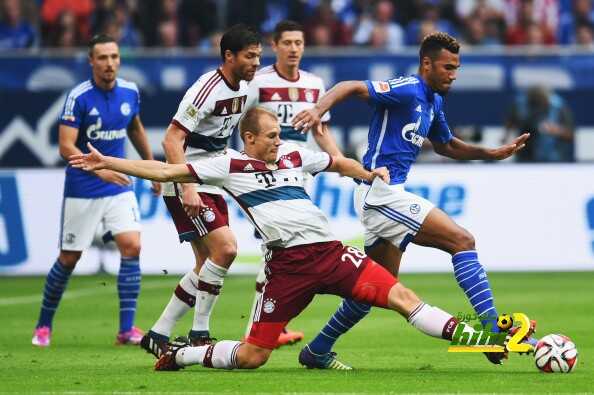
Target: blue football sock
(128, 290)
(55, 284)
(348, 314)
(472, 278)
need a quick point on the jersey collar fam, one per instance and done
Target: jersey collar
(429, 94)
(234, 88)
(286, 78)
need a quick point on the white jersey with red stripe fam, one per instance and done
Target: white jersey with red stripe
(272, 195)
(286, 98)
(208, 113)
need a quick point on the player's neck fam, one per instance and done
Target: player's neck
(287, 72)
(229, 77)
(104, 85)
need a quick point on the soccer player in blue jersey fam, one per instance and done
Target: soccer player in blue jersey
(102, 110)
(407, 110)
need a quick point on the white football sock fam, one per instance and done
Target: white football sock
(182, 300)
(433, 321)
(210, 282)
(260, 281)
(221, 355)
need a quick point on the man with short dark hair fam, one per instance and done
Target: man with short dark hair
(407, 110)
(103, 110)
(302, 259)
(199, 131)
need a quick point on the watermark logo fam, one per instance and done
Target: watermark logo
(477, 338)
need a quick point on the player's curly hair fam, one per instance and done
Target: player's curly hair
(433, 43)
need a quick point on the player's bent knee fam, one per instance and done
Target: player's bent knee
(224, 254)
(402, 299)
(250, 356)
(69, 259)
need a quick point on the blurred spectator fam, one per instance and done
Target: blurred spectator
(527, 28)
(430, 15)
(324, 27)
(117, 23)
(550, 122)
(582, 13)
(56, 16)
(543, 12)
(483, 22)
(15, 31)
(584, 33)
(198, 20)
(380, 31)
(168, 34)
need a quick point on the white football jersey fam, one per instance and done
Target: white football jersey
(286, 98)
(209, 112)
(272, 197)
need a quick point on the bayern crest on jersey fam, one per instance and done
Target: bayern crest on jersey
(293, 94)
(287, 163)
(309, 96)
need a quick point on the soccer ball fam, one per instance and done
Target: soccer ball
(504, 322)
(555, 354)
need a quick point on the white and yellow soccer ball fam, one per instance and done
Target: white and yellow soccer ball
(555, 354)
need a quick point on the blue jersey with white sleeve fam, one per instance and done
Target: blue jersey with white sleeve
(102, 118)
(406, 111)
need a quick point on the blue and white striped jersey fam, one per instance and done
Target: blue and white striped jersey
(102, 118)
(406, 111)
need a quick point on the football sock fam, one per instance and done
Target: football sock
(221, 355)
(472, 278)
(55, 284)
(182, 300)
(128, 290)
(260, 280)
(210, 282)
(433, 321)
(348, 314)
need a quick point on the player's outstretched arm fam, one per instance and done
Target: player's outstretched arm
(310, 119)
(458, 149)
(351, 168)
(148, 169)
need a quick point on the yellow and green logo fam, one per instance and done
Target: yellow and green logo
(476, 338)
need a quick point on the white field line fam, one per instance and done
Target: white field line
(95, 290)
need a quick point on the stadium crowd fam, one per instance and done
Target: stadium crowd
(386, 24)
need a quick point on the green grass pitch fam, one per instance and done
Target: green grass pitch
(389, 355)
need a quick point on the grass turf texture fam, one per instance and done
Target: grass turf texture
(389, 355)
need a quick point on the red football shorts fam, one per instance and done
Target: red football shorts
(295, 275)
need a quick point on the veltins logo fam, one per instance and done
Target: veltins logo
(13, 248)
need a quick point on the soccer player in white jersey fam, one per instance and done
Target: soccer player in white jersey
(285, 90)
(104, 110)
(303, 258)
(407, 110)
(199, 131)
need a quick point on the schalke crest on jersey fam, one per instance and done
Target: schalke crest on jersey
(293, 94)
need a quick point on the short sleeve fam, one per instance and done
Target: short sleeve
(193, 108)
(440, 131)
(392, 92)
(73, 111)
(213, 171)
(253, 95)
(314, 162)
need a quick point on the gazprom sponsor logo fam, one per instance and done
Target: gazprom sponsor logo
(94, 132)
(409, 133)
